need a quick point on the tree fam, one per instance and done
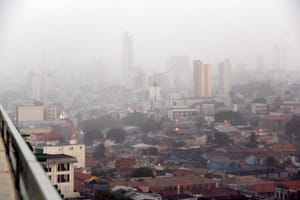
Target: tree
(270, 161)
(141, 120)
(142, 172)
(116, 134)
(235, 118)
(151, 151)
(292, 127)
(277, 104)
(99, 152)
(210, 139)
(150, 125)
(200, 121)
(221, 139)
(134, 119)
(252, 140)
(91, 135)
(179, 144)
(260, 100)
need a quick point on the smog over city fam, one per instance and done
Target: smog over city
(150, 99)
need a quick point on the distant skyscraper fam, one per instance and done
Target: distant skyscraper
(36, 86)
(127, 60)
(278, 57)
(224, 77)
(202, 79)
(180, 71)
(260, 63)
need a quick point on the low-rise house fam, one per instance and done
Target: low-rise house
(168, 186)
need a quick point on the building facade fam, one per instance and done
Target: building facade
(60, 170)
(202, 79)
(74, 150)
(224, 77)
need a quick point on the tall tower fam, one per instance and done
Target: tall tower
(202, 79)
(36, 86)
(127, 59)
(224, 77)
(180, 68)
(278, 58)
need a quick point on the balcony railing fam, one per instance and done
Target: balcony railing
(30, 180)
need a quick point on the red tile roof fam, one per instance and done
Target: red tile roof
(262, 187)
(292, 185)
(81, 176)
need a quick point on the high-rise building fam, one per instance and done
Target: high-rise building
(224, 77)
(260, 65)
(127, 59)
(278, 57)
(154, 93)
(180, 71)
(36, 86)
(41, 86)
(202, 79)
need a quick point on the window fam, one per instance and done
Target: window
(63, 167)
(47, 168)
(62, 178)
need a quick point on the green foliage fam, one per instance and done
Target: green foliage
(180, 144)
(270, 161)
(200, 121)
(260, 100)
(99, 123)
(142, 121)
(235, 118)
(221, 139)
(210, 139)
(260, 89)
(292, 127)
(252, 140)
(99, 152)
(134, 119)
(151, 151)
(116, 134)
(150, 125)
(91, 135)
(278, 102)
(142, 172)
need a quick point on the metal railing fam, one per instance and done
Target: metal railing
(30, 180)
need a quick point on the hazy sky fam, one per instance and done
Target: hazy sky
(45, 32)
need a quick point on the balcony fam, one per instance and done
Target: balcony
(21, 175)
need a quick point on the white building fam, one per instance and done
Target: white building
(35, 86)
(154, 93)
(75, 150)
(30, 113)
(181, 112)
(259, 108)
(179, 67)
(60, 170)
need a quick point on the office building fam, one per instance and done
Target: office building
(224, 77)
(180, 71)
(202, 79)
(127, 60)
